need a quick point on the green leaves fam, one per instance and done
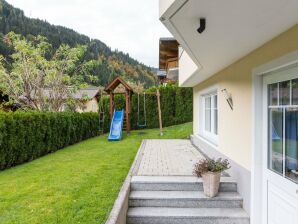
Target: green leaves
(176, 107)
(211, 165)
(25, 136)
(36, 81)
(111, 62)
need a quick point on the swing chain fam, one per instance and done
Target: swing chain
(145, 116)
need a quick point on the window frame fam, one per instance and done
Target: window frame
(284, 107)
(212, 135)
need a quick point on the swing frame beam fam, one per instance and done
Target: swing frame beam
(157, 94)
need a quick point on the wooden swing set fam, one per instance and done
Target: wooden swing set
(144, 125)
(128, 95)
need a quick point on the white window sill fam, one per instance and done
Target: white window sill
(212, 141)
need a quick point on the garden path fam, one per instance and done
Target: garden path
(168, 158)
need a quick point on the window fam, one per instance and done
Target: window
(283, 128)
(209, 116)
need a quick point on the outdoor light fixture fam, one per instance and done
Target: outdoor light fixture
(202, 25)
(228, 98)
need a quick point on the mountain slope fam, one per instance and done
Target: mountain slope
(104, 63)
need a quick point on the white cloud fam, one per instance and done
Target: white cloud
(131, 26)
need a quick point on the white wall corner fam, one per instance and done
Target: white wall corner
(164, 5)
(187, 68)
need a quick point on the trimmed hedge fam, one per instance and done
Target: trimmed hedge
(176, 107)
(25, 136)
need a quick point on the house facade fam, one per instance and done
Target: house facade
(241, 58)
(88, 98)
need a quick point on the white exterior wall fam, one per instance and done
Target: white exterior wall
(90, 106)
(187, 68)
(228, 63)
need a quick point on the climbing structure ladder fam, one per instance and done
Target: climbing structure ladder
(101, 122)
(101, 114)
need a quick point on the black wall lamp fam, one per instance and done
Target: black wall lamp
(228, 98)
(202, 25)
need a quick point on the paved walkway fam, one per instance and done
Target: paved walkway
(168, 158)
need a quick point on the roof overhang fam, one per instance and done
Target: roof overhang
(168, 53)
(234, 28)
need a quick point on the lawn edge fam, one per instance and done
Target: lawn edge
(119, 210)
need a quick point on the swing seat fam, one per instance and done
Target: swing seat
(142, 125)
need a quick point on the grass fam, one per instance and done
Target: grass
(78, 184)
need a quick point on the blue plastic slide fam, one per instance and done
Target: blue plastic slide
(116, 126)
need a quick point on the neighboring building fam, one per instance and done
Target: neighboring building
(89, 99)
(162, 76)
(244, 72)
(168, 60)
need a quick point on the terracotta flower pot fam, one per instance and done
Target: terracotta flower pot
(211, 183)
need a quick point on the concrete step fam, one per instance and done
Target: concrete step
(184, 199)
(149, 215)
(177, 183)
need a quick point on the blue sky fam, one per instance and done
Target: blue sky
(131, 26)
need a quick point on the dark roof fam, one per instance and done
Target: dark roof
(88, 92)
(115, 83)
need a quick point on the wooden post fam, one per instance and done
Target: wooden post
(159, 112)
(127, 111)
(111, 105)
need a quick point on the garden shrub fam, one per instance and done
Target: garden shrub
(176, 107)
(25, 136)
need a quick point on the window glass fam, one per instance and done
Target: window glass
(215, 101)
(215, 115)
(208, 113)
(273, 94)
(208, 102)
(208, 120)
(291, 142)
(210, 117)
(276, 140)
(295, 92)
(284, 93)
(215, 122)
(283, 129)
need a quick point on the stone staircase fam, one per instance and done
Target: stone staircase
(180, 200)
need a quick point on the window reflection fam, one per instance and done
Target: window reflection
(291, 140)
(208, 113)
(276, 140)
(283, 128)
(295, 92)
(284, 93)
(215, 115)
(273, 94)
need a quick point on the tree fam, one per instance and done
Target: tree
(13, 19)
(37, 81)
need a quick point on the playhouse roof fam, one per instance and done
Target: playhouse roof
(115, 83)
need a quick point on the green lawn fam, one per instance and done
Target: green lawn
(78, 184)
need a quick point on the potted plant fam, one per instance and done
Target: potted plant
(210, 170)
